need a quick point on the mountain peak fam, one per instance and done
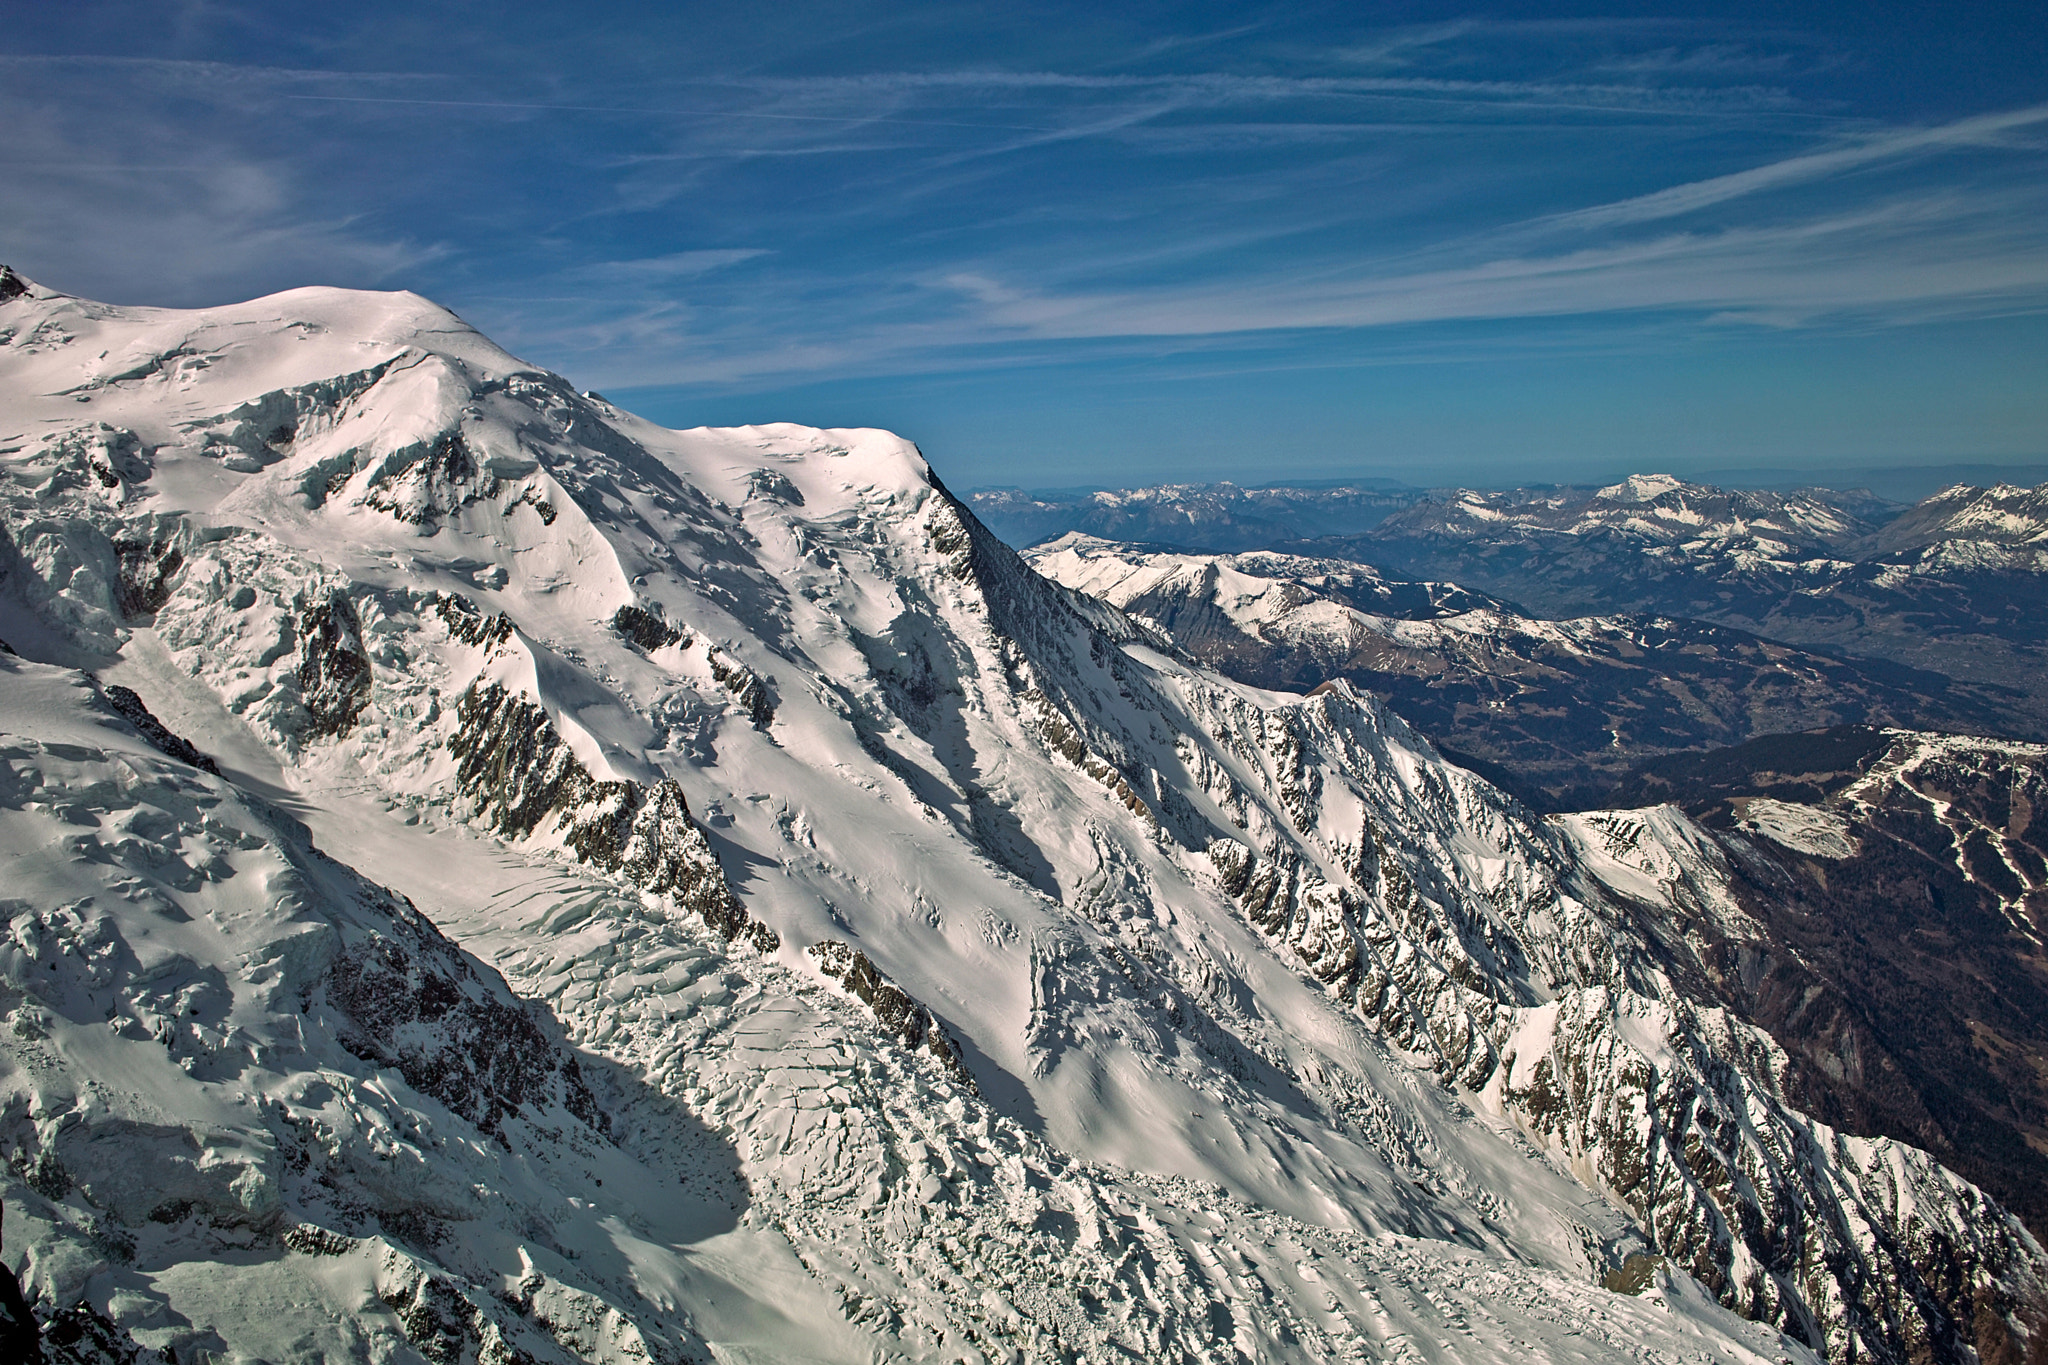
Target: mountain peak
(948, 912)
(1642, 488)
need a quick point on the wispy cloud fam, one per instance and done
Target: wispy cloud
(215, 79)
(1897, 253)
(679, 265)
(725, 221)
(100, 201)
(1706, 59)
(1882, 261)
(1982, 131)
(1229, 89)
(670, 112)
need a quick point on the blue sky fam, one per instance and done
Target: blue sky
(1073, 245)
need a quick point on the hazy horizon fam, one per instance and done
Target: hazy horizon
(1900, 483)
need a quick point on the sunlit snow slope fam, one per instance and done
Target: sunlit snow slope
(933, 964)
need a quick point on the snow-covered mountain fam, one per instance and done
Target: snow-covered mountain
(1771, 527)
(1938, 834)
(929, 961)
(1651, 542)
(1565, 710)
(1953, 587)
(2004, 514)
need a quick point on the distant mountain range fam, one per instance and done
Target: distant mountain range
(1956, 585)
(1217, 516)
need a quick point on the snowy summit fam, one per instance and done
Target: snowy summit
(490, 878)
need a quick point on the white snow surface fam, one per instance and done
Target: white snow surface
(1810, 829)
(1194, 1129)
(1261, 593)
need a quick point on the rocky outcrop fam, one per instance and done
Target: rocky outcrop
(900, 1016)
(521, 778)
(132, 710)
(470, 625)
(415, 1004)
(336, 1081)
(746, 687)
(334, 668)
(422, 483)
(147, 569)
(646, 630)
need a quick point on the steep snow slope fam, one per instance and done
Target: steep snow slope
(258, 1106)
(774, 687)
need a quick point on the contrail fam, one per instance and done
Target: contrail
(674, 113)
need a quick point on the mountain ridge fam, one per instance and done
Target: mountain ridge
(1562, 709)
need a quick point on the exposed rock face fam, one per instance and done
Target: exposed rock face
(513, 764)
(416, 1005)
(334, 669)
(147, 568)
(747, 689)
(645, 629)
(1731, 1191)
(125, 701)
(12, 286)
(469, 625)
(897, 1013)
(419, 485)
